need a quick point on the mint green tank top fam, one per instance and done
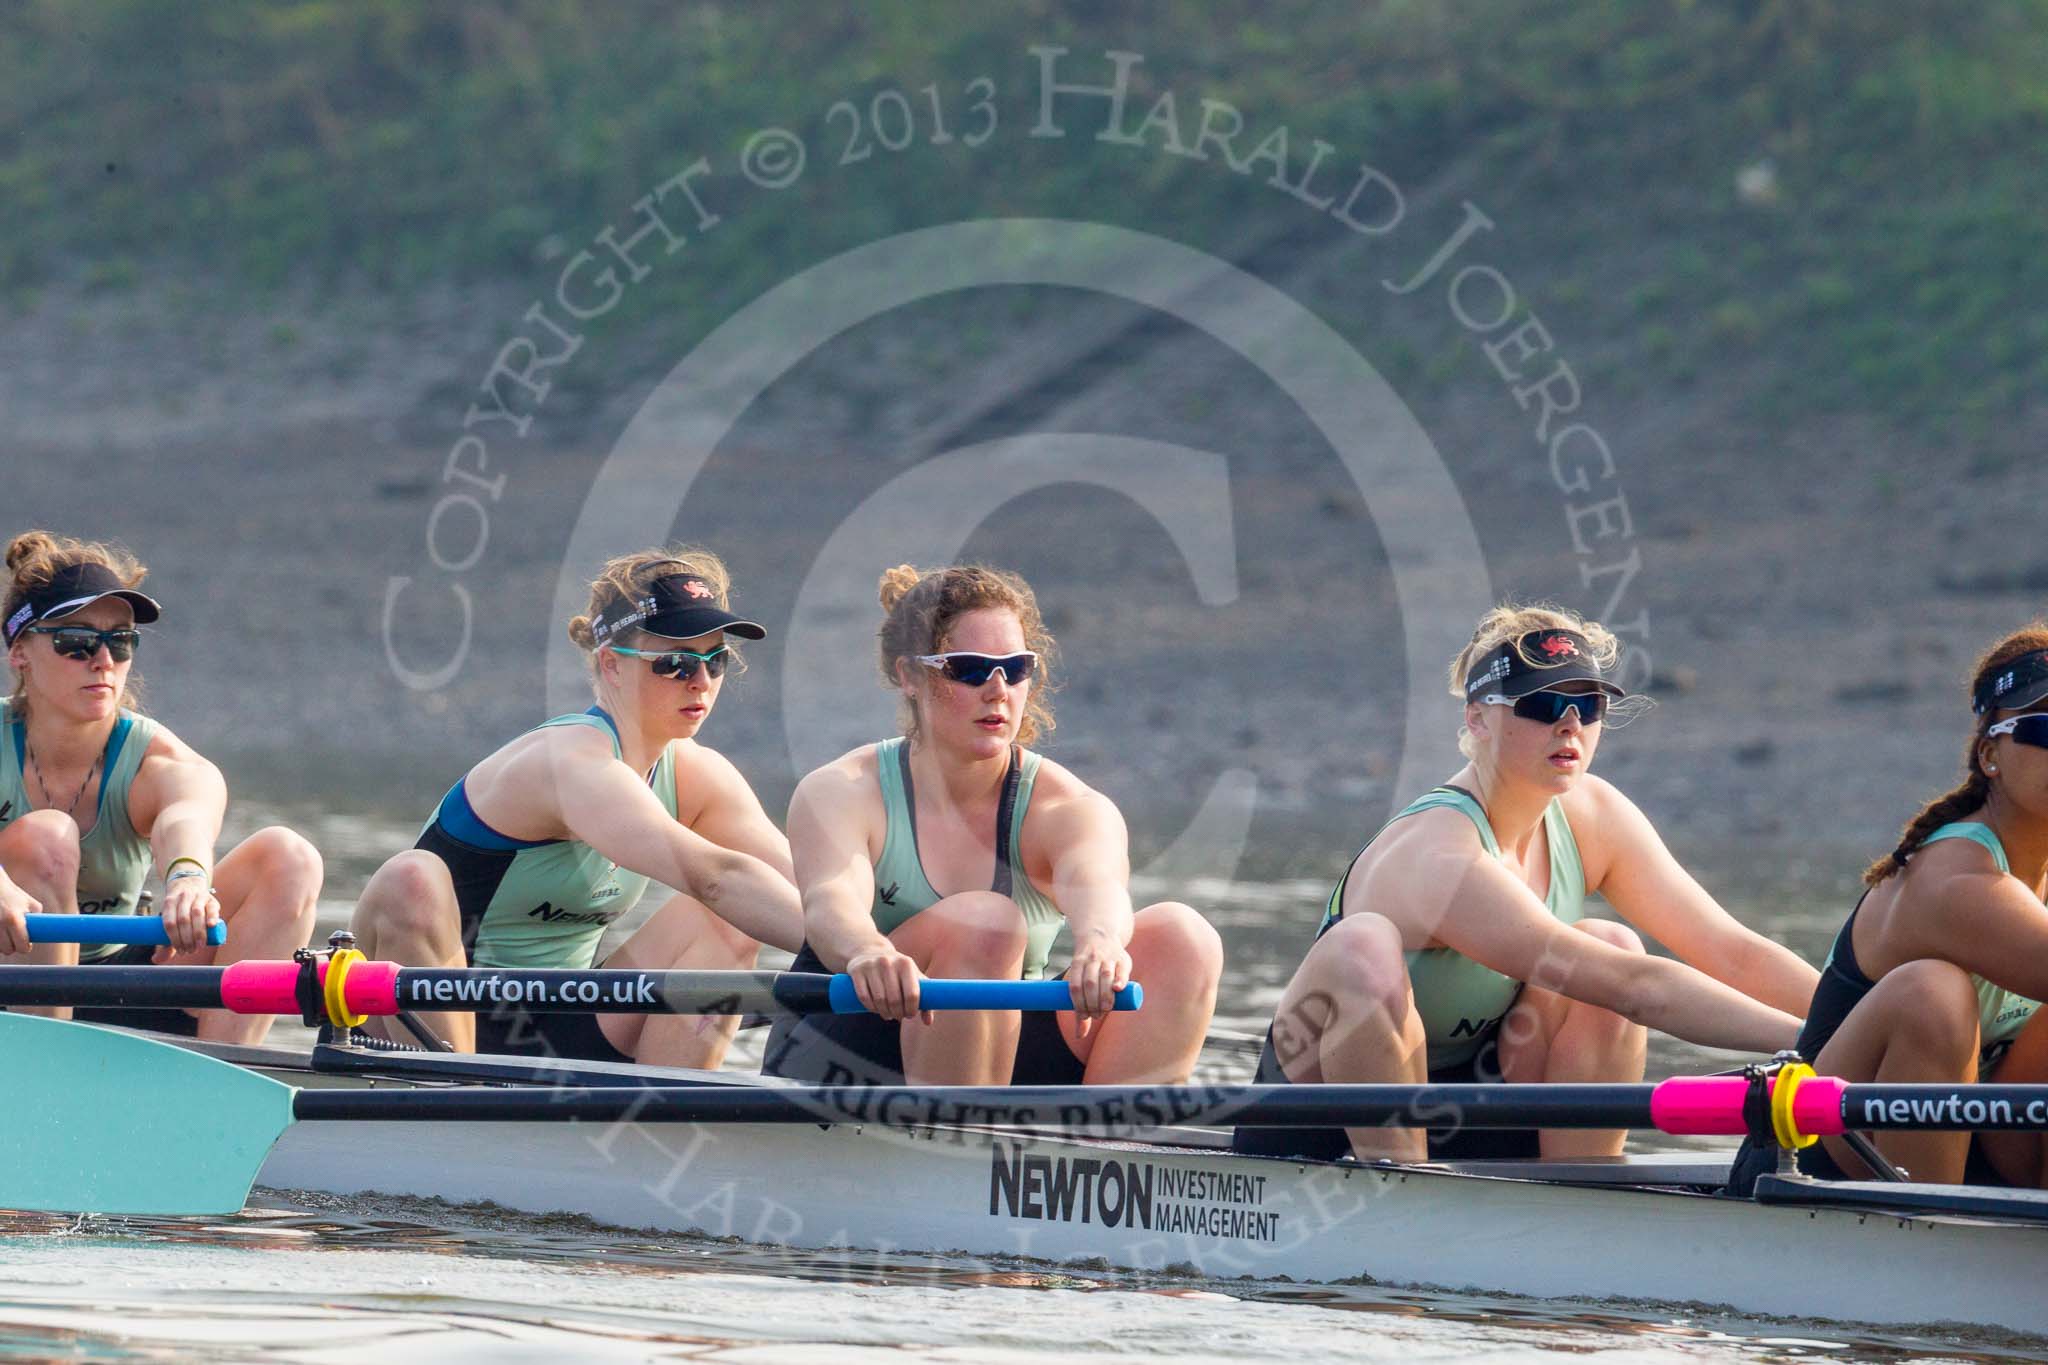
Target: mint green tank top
(1461, 1001)
(537, 903)
(114, 860)
(901, 888)
(2000, 1013)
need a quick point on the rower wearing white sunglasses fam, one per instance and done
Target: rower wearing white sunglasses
(1454, 947)
(1936, 974)
(954, 850)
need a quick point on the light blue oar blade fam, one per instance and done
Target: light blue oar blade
(98, 1121)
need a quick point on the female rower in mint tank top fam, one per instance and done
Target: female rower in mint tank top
(547, 841)
(956, 851)
(96, 799)
(1453, 949)
(1936, 974)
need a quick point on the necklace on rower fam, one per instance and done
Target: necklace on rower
(70, 808)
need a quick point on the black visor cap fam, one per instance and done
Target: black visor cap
(1538, 660)
(678, 607)
(2021, 683)
(74, 588)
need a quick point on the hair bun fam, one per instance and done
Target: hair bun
(27, 546)
(896, 583)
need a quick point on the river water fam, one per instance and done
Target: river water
(315, 1279)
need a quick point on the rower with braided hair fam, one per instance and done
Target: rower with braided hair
(1937, 973)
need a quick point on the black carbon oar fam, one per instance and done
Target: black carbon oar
(386, 988)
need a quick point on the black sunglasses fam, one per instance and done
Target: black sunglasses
(681, 664)
(82, 642)
(965, 666)
(1549, 707)
(2031, 730)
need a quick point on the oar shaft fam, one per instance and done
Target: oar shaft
(113, 987)
(2011, 1108)
(1823, 1106)
(551, 990)
(1062, 1107)
(385, 988)
(146, 929)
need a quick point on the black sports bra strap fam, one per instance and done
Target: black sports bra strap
(1005, 810)
(910, 800)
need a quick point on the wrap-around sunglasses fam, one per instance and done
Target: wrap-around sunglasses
(82, 642)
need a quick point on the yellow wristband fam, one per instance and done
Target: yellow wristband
(184, 858)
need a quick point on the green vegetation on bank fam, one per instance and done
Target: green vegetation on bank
(1846, 195)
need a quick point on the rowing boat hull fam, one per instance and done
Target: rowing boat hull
(1153, 1208)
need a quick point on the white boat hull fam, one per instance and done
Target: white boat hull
(1225, 1216)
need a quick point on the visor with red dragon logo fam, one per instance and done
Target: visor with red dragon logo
(1540, 659)
(677, 606)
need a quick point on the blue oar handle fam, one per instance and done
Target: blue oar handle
(147, 929)
(944, 994)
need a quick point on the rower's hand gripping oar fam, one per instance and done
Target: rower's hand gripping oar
(143, 929)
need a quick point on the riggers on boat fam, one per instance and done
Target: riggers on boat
(938, 1170)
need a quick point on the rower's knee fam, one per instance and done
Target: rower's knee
(1362, 959)
(1360, 973)
(1174, 941)
(1934, 1009)
(42, 850)
(410, 898)
(984, 934)
(287, 862)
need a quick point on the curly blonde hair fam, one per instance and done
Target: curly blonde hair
(920, 607)
(35, 557)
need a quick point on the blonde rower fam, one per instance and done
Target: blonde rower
(1454, 948)
(546, 842)
(955, 850)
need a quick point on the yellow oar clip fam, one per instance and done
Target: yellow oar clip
(337, 997)
(1786, 1085)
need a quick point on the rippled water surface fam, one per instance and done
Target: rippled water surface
(307, 1280)
(310, 1278)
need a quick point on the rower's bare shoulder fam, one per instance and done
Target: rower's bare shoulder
(533, 761)
(552, 743)
(170, 770)
(848, 781)
(1949, 868)
(1058, 791)
(166, 748)
(1426, 843)
(1057, 782)
(1596, 807)
(1403, 873)
(696, 761)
